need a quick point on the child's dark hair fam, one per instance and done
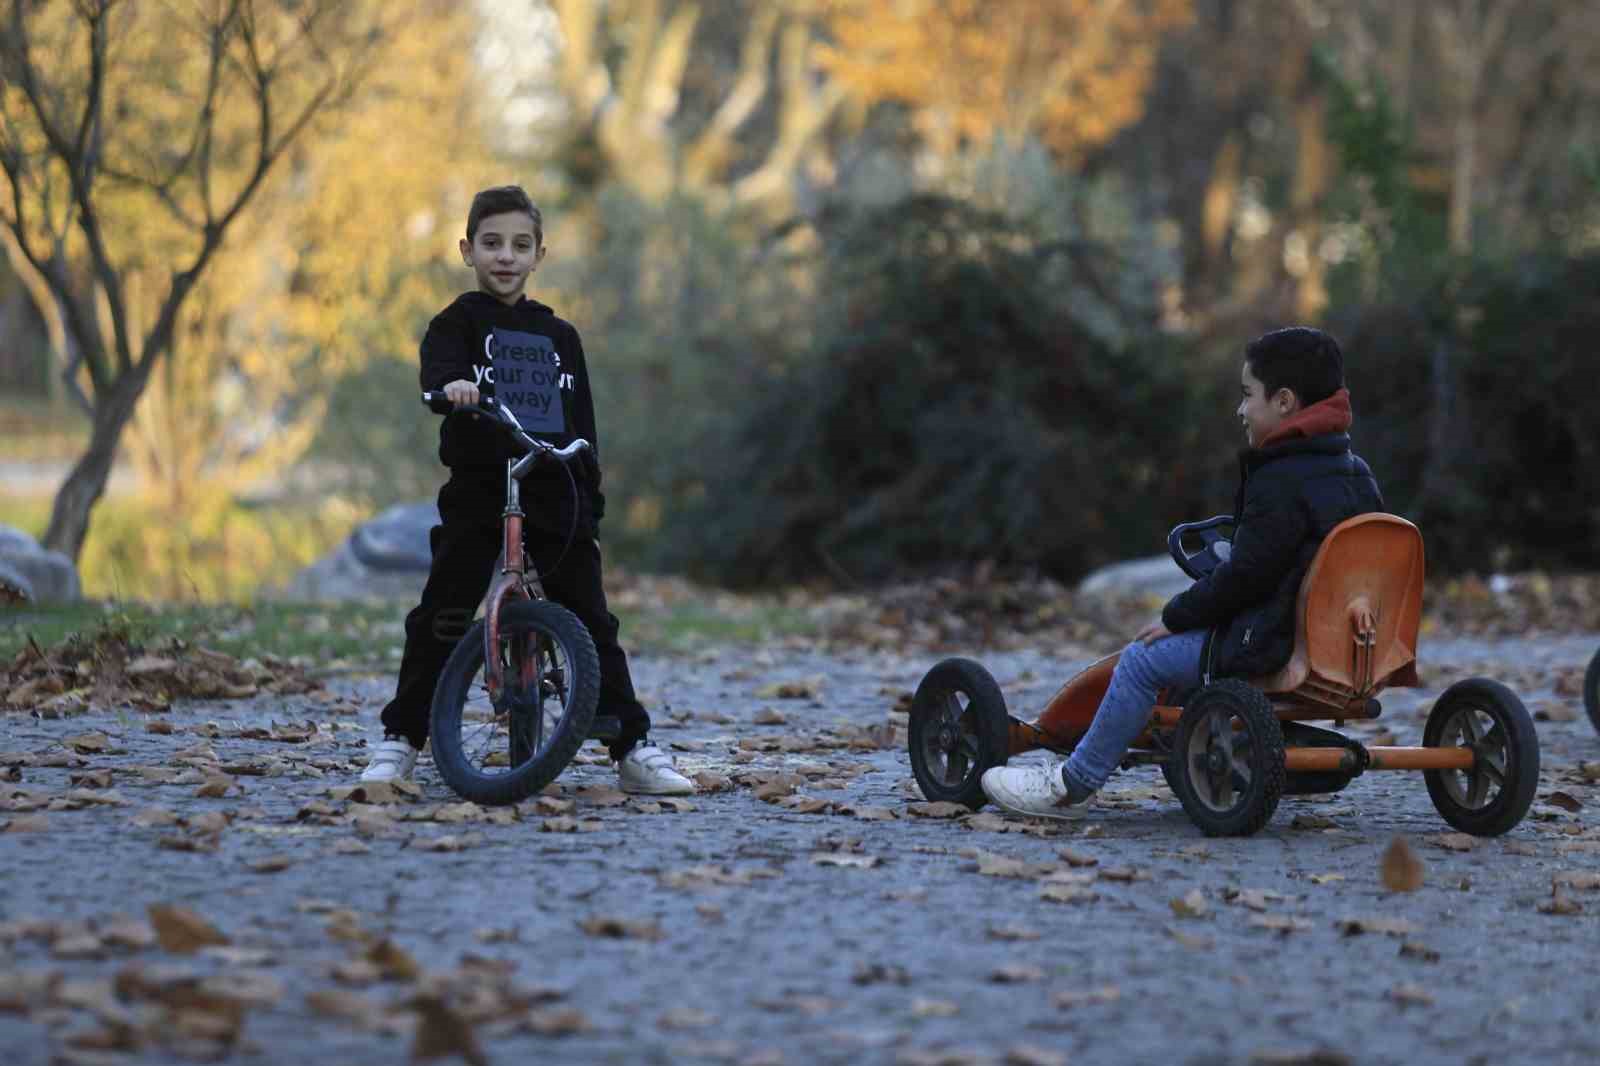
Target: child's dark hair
(499, 200)
(1303, 360)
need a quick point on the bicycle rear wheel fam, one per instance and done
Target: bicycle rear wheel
(502, 747)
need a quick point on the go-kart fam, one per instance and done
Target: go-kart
(1231, 748)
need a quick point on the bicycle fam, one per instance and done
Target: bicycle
(517, 696)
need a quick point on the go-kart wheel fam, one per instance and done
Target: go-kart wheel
(1487, 717)
(1591, 690)
(1227, 764)
(959, 729)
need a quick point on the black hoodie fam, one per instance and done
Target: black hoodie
(528, 359)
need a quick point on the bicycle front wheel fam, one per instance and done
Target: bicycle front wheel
(500, 747)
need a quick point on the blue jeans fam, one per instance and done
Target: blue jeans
(1142, 672)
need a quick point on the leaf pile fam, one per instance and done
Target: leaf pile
(107, 668)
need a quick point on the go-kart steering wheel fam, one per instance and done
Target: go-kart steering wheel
(1200, 547)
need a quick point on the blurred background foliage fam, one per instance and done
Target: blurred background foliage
(871, 287)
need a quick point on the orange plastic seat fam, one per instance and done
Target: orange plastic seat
(1359, 611)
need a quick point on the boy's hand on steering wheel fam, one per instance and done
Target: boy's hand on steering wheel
(1152, 633)
(461, 392)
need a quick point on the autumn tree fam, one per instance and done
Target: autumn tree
(622, 72)
(133, 139)
(1069, 72)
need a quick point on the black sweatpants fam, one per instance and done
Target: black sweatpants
(465, 547)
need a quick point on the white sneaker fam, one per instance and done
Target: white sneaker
(1037, 791)
(392, 760)
(648, 771)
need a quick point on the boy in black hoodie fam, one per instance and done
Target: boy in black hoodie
(1297, 480)
(497, 342)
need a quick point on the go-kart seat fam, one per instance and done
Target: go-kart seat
(1358, 613)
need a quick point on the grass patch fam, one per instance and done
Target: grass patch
(342, 637)
(367, 637)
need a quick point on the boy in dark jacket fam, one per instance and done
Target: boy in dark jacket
(497, 342)
(1297, 480)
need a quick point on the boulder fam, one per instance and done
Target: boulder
(1152, 577)
(384, 559)
(35, 574)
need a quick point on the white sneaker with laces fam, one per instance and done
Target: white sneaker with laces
(648, 771)
(392, 760)
(1037, 791)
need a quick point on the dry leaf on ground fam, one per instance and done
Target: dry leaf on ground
(182, 931)
(1401, 868)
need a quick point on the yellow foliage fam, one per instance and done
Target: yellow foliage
(1070, 72)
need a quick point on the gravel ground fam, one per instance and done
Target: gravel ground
(830, 923)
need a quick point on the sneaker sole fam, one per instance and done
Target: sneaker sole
(640, 790)
(1062, 814)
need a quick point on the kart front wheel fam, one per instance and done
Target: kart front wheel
(1227, 759)
(959, 728)
(1591, 690)
(1497, 791)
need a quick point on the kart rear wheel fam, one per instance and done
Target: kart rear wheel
(959, 728)
(1227, 764)
(1591, 690)
(1496, 793)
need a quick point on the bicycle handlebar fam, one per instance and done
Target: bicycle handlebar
(439, 403)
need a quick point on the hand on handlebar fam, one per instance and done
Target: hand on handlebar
(461, 392)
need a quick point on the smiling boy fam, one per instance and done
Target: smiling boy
(496, 342)
(1297, 480)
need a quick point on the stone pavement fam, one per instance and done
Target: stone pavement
(799, 910)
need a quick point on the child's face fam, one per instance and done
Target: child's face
(1260, 413)
(503, 253)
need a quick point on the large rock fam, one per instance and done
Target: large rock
(1154, 577)
(385, 559)
(33, 573)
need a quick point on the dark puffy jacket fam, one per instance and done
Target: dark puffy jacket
(1290, 496)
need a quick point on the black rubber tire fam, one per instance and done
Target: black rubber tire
(984, 724)
(539, 619)
(1521, 774)
(1591, 690)
(1258, 799)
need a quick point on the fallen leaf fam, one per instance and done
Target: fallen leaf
(1013, 932)
(1032, 1055)
(770, 716)
(1077, 858)
(1124, 873)
(180, 930)
(442, 1032)
(1193, 905)
(1566, 801)
(1586, 881)
(1384, 926)
(25, 823)
(158, 726)
(1312, 821)
(1325, 879)
(393, 961)
(877, 973)
(1015, 974)
(1190, 940)
(1408, 995)
(621, 929)
(342, 1003)
(1413, 949)
(1401, 869)
(1560, 903)
(215, 786)
(1086, 997)
(88, 743)
(1060, 893)
(1279, 923)
(939, 809)
(271, 864)
(1454, 841)
(449, 843)
(845, 859)
(555, 1021)
(922, 1007)
(805, 689)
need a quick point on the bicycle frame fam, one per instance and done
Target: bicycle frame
(511, 582)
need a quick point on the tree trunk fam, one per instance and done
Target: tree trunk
(86, 483)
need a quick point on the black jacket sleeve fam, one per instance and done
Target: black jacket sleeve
(447, 349)
(583, 419)
(1266, 546)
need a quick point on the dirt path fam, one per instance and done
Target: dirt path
(804, 913)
